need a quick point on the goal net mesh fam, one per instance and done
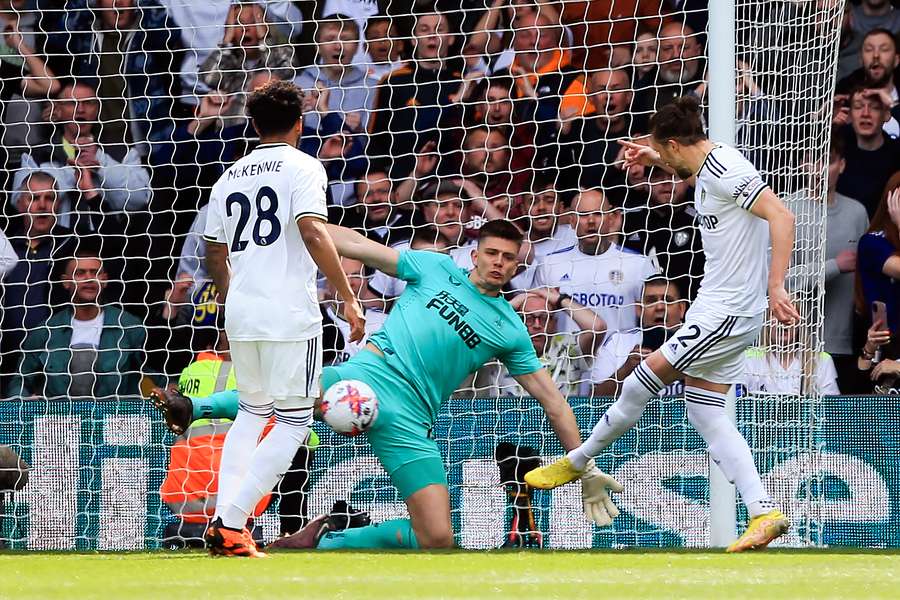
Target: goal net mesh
(119, 116)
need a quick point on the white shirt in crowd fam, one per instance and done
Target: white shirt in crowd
(610, 284)
(462, 256)
(613, 353)
(202, 29)
(564, 361)
(735, 241)
(765, 374)
(254, 208)
(391, 287)
(87, 333)
(8, 256)
(374, 320)
(563, 238)
(379, 70)
(386, 285)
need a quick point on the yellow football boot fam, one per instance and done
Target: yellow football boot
(553, 475)
(762, 531)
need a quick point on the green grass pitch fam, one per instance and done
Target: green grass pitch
(537, 574)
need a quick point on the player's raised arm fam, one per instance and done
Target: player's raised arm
(641, 154)
(352, 244)
(322, 249)
(781, 232)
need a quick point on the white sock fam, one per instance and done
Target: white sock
(637, 389)
(761, 507)
(240, 441)
(728, 448)
(271, 459)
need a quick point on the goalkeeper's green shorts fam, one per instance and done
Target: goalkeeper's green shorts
(401, 436)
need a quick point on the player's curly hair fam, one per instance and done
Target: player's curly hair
(682, 121)
(275, 107)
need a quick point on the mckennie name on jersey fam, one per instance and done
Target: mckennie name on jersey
(253, 209)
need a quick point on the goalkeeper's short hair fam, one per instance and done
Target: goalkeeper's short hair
(501, 228)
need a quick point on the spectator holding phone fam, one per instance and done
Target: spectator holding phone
(878, 288)
(884, 372)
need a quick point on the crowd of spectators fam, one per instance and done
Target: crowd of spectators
(430, 119)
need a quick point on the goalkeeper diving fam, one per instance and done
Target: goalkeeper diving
(447, 324)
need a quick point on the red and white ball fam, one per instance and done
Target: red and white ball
(349, 407)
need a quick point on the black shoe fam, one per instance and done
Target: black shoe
(176, 408)
(342, 516)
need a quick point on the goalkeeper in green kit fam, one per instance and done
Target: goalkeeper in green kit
(446, 324)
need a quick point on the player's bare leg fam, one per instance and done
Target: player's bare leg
(429, 513)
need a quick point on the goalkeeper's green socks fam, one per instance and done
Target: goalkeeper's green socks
(220, 405)
(395, 534)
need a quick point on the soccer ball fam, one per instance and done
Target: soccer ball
(349, 407)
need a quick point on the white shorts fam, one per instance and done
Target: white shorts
(711, 347)
(281, 371)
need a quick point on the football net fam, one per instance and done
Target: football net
(428, 125)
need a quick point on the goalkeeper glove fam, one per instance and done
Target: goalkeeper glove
(595, 488)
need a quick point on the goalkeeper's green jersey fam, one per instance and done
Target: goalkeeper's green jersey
(442, 328)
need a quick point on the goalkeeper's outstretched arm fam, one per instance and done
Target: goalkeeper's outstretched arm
(595, 484)
(540, 385)
(354, 245)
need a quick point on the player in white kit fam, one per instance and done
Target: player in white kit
(738, 215)
(267, 218)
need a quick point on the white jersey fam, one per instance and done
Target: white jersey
(391, 287)
(615, 351)
(374, 320)
(766, 375)
(611, 284)
(563, 238)
(462, 256)
(735, 241)
(254, 208)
